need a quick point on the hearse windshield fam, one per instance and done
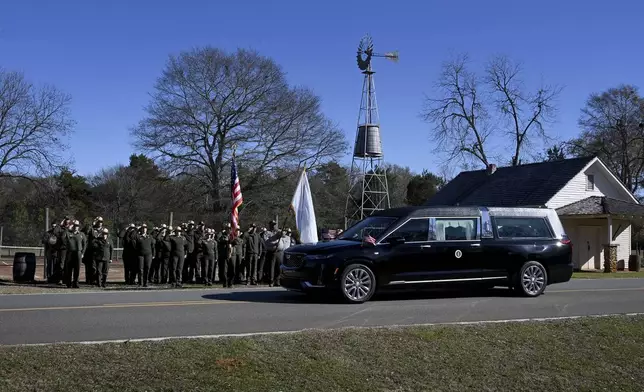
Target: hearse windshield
(373, 226)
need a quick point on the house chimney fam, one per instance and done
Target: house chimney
(491, 168)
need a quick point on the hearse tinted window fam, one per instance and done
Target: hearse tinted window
(414, 230)
(522, 228)
(456, 229)
(373, 226)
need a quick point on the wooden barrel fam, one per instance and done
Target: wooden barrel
(24, 267)
(634, 263)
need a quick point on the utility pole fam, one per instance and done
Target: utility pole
(170, 224)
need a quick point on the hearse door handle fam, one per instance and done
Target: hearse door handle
(425, 246)
(476, 244)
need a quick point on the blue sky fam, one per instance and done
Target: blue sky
(107, 54)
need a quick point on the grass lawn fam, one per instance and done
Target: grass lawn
(603, 275)
(582, 354)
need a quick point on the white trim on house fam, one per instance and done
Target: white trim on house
(605, 184)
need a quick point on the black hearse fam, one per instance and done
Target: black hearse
(525, 249)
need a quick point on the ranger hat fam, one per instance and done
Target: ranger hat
(99, 219)
(178, 228)
(144, 225)
(105, 231)
(191, 222)
(163, 226)
(76, 223)
(132, 225)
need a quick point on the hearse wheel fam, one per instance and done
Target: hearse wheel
(531, 280)
(358, 283)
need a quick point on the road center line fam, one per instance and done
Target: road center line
(128, 305)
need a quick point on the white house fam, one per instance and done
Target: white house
(596, 209)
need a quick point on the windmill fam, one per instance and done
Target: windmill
(368, 189)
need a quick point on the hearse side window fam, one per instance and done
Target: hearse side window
(456, 229)
(414, 230)
(522, 228)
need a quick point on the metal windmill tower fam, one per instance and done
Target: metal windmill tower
(368, 189)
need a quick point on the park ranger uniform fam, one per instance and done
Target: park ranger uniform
(209, 257)
(103, 251)
(253, 247)
(76, 246)
(145, 251)
(178, 248)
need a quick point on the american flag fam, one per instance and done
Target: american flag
(237, 199)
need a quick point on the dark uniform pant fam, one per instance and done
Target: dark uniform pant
(90, 267)
(59, 267)
(230, 270)
(143, 268)
(208, 265)
(251, 267)
(164, 265)
(193, 267)
(155, 269)
(102, 268)
(176, 268)
(238, 269)
(72, 268)
(263, 262)
(276, 260)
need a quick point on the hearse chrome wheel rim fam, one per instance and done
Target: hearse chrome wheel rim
(533, 280)
(357, 284)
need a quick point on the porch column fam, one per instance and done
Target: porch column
(610, 250)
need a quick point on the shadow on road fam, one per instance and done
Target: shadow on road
(300, 298)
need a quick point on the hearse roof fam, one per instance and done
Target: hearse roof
(401, 212)
(454, 211)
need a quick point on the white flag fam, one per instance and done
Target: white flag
(302, 205)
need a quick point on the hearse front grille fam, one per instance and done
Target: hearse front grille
(293, 260)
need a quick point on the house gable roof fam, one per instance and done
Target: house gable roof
(526, 185)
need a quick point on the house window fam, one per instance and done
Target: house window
(590, 182)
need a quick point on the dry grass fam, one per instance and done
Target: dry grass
(574, 355)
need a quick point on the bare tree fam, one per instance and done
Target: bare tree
(208, 101)
(33, 125)
(461, 119)
(471, 111)
(523, 114)
(612, 125)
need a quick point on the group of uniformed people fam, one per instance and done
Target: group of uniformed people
(66, 247)
(187, 253)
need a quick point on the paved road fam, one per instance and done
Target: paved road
(42, 318)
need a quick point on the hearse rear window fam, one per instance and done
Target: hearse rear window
(455, 229)
(522, 228)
